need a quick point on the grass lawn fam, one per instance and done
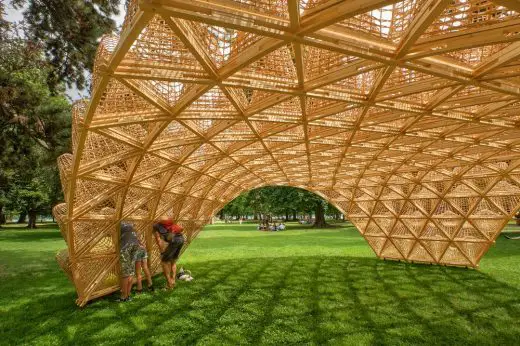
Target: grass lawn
(300, 286)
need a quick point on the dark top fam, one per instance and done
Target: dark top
(161, 229)
(128, 235)
(168, 230)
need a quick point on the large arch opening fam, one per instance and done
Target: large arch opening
(416, 142)
(280, 203)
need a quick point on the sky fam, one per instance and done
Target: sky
(13, 15)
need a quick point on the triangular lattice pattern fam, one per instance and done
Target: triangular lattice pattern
(404, 114)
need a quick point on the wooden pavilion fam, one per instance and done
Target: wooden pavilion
(403, 114)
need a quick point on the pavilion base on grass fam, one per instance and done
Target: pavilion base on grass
(403, 114)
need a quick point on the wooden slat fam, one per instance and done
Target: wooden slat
(403, 115)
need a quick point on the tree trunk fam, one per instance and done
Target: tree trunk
(2, 215)
(320, 217)
(32, 219)
(23, 217)
(294, 216)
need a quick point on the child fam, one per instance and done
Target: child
(129, 246)
(141, 262)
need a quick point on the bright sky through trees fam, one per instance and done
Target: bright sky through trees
(15, 16)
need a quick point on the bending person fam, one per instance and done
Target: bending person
(170, 240)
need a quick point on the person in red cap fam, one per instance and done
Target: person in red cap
(169, 239)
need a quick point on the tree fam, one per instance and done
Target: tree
(34, 189)
(3, 203)
(32, 197)
(29, 113)
(4, 24)
(34, 127)
(259, 203)
(279, 200)
(68, 32)
(238, 207)
(333, 211)
(312, 203)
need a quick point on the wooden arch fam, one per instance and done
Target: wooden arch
(404, 114)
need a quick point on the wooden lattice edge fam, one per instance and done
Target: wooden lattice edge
(403, 114)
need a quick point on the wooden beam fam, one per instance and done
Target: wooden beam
(186, 35)
(510, 4)
(428, 12)
(497, 60)
(500, 32)
(338, 12)
(294, 14)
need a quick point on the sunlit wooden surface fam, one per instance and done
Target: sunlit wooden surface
(403, 114)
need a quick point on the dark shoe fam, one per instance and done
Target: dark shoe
(151, 288)
(138, 291)
(123, 300)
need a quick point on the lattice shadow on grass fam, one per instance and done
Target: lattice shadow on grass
(290, 300)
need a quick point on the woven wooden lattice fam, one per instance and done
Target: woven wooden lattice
(404, 114)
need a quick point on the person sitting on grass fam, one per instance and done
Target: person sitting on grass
(170, 240)
(129, 247)
(281, 227)
(141, 263)
(263, 225)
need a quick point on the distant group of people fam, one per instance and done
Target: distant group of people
(266, 226)
(133, 256)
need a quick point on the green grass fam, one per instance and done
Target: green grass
(300, 286)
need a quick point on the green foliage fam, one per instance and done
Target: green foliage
(298, 287)
(29, 113)
(69, 32)
(279, 200)
(30, 193)
(35, 128)
(4, 24)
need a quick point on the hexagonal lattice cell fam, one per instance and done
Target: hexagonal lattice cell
(404, 114)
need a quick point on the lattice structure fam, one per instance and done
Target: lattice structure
(403, 114)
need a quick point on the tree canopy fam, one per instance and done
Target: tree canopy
(34, 127)
(284, 201)
(68, 32)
